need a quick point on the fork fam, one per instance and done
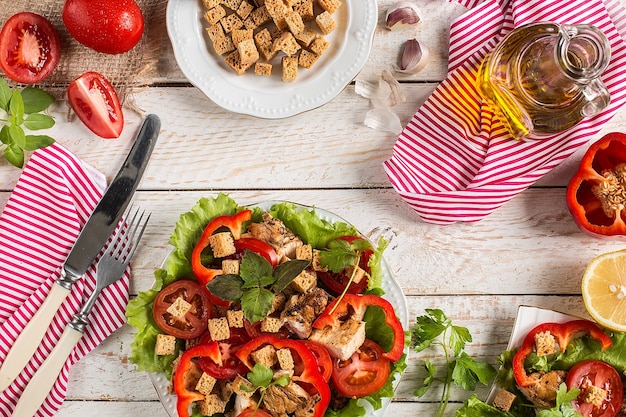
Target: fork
(110, 269)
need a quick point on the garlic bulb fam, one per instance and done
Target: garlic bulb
(402, 14)
(414, 57)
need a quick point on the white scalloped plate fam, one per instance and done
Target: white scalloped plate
(393, 293)
(269, 97)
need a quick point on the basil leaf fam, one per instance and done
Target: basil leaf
(17, 135)
(34, 142)
(4, 134)
(38, 121)
(287, 271)
(16, 107)
(5, 95)
(15, 155)
(36, 100)
(254, 267)
(227, 287)
(258, 282)
(256, 303)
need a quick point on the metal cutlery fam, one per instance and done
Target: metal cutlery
(111, 266)
(93, 236)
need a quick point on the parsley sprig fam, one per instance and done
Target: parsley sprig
(23, 110)
(564, 407)
(262, 377)
(256, 284)
(436, 329)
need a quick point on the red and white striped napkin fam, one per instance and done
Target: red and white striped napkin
(455, 161)
(49, 205)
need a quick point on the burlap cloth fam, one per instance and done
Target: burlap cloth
(125, 71)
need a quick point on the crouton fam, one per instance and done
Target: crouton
(215, 32)
(325, 22)
(264, 44)
(265, 356)
(595, 395)
(330, 6)
(205, 384)
(317, 266)
(209, 4)
(222, 244)
(319, 45)
(285, 359)
(260, 16)
(214, 15)
(241, 386)
(244, 9)
(277, 10)
(343, 340)
(305, 9)
(271, 324)
(230, 266)
(212, 404)
(231, 22)
(223, 44)
(263, 68)
(305, 37)
(357, 275)
(306, 59)
(545, 343)
(240, 35)
(304, 252)
(235, 318)
(290, 69)
(294, 22)
(286, 43)
(249, 23)
(218, 328)
(278, 303)
(503, 400)
(232, 4)
(179, 308)
(165, 345)
(305, 279)
(248, 53)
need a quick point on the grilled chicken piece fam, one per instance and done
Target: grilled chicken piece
(302, 309)
(274, 231)
(343, 340)
(543, 392)
(281, 401)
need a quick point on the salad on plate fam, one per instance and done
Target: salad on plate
(556, 365)
(271, 310)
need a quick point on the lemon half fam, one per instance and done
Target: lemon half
(604, 290)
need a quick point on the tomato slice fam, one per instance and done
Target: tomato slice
(336, 282)
(231, 365)
(324, 363)
(364, 373)
(196, 320)
(257, 246)
(29, 48)
(588, 374)
(96, 104)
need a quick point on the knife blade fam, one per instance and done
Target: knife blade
(89, 243)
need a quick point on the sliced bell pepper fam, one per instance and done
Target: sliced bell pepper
(596, 194)
(185, 397)
(340, 307)
(563, 333)
(203, 274)
(310, 374)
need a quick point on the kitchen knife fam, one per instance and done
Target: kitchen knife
(91, 239)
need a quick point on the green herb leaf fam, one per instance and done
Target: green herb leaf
(338, 256)
(16, 107)
(37, 121)
(428, 381)
(4, 134)
(286, 272)
(36, 100)
(260, 376)
(563, 407)
(34, 142)
(227, 287)
(468, 371)
(5, 95)
(15, 155)
(426, 330)
(254, 267)
(258, 282)
(282, 381)
(458, 337)
(256, 303)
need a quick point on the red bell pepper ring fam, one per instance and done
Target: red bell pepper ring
(359, 302)
(595, 194)
(563, 333)
(185, 397)
(310, 374)
(203, 274)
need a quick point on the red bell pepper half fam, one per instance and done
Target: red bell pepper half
(563, 333)
(340, 307)
(310, 374)
(184, 396)
(203, 274)
(596, 194)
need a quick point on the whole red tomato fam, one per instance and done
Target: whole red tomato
(109, 26)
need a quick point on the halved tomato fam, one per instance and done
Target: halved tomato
(195, 322)
(364, 373)
(29, 48)
(96, 104)
(231, 365)
(324, 362)
(601, 390)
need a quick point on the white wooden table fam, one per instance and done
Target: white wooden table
(527, 252)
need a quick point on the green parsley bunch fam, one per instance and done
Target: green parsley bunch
(23, 110)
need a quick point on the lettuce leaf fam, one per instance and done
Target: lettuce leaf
(474, 407)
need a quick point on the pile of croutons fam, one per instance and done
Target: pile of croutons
(261, 33)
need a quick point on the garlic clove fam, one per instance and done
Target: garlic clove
(414, 57)
(382, 118)
(402, 14)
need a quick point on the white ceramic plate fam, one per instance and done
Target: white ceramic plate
(393, 293)
(269, 97)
